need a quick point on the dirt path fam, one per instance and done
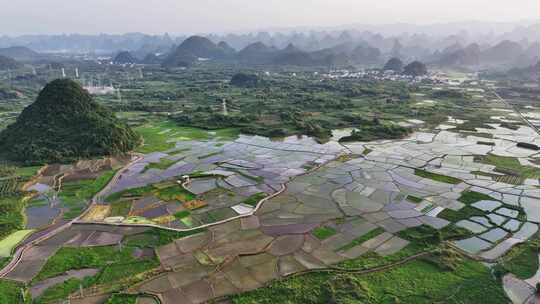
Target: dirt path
(17, 256)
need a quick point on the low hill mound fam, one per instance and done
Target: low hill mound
(258, 53)
(394, 64)
(124, 57)
(196, 47)
(65, 124)
(415, 68)
(19, 53)
(469, 56)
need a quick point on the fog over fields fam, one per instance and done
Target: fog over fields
(188, 17)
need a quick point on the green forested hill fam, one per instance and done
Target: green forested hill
(64, 124)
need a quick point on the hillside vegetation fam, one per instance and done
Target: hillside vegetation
(65, 124)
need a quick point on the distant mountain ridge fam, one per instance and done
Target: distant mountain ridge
(504, 54)
(357, 45)
(198, 48)
(125, 57)
(530, 73)
(307, 38)
(352, 51)
(19, 53)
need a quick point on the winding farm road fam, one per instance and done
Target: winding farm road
(96, 199)
(17, 256)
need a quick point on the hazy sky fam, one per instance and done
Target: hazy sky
(202, 16)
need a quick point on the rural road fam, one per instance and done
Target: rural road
(17, 256)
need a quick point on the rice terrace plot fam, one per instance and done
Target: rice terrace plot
(344, 152)
(199, 215)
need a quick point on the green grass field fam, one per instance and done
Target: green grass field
(522, 260)
(175, 193)
(254, 199)
(85, 257)
(414, 199)
(442, 277)
(76, 195)
(324, 232)
(120, 208)
(12, 203)
(128, 192)
(11, 241)
(163, 164)
(115, 265)
(27, 172)
(60, 291)
(368, 236)
(468, 198)
(157, 237)
(121, 299)
(12, 292)
(157, 135)
(167, 193)
(437, 177)
(11, 217)
(182, 214)
(510, 165)
(462, 214)
(471, 197)
(417, 282)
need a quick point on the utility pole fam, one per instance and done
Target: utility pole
(9, 78)
(119, 94)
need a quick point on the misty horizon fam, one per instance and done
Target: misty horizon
(30, 17)
(389, 29)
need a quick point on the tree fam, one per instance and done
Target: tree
(65, 124)
(394, 64)
(245, 80)
(415, 68)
